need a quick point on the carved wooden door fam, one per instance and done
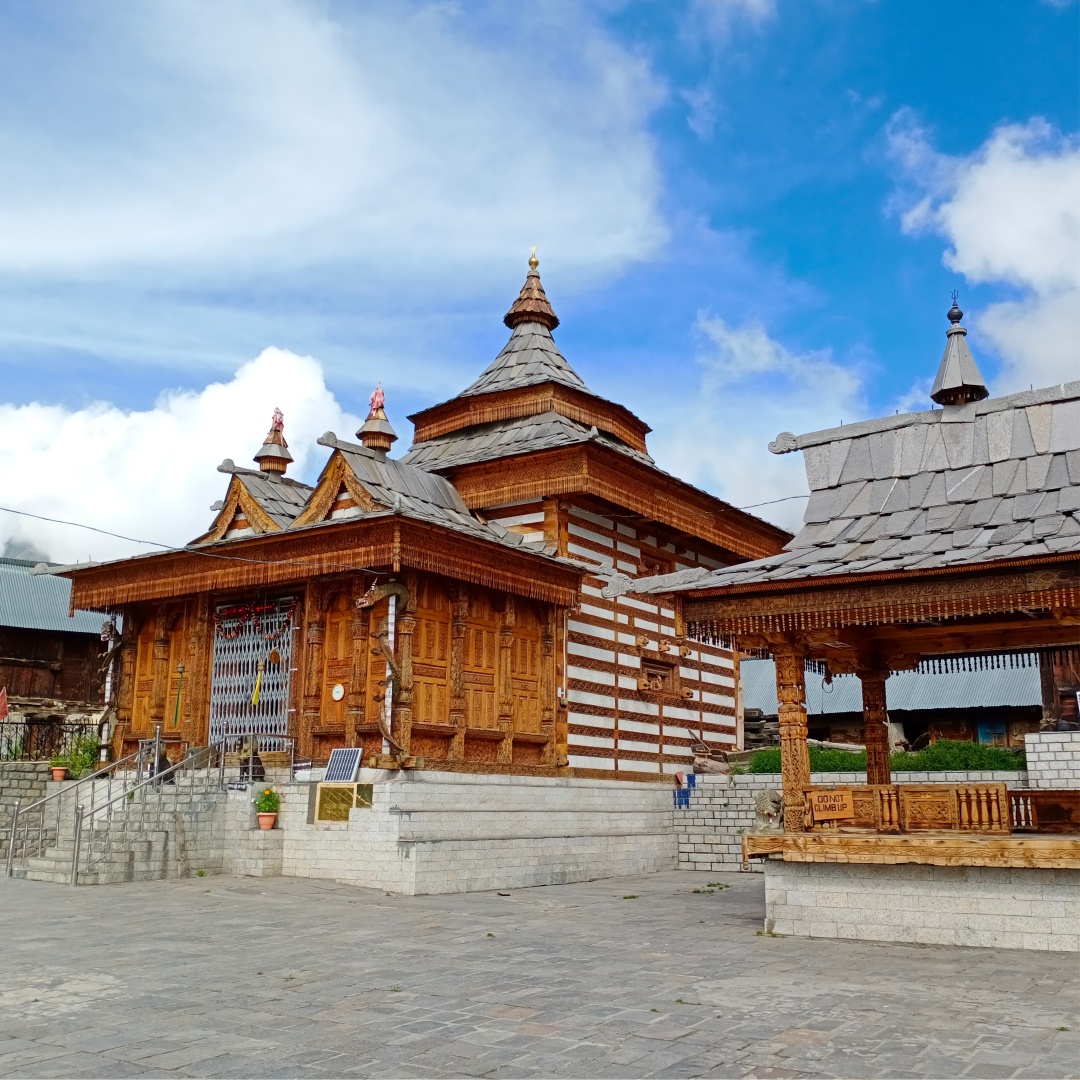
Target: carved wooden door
(144, 681)
(525, 669)
(481, 661)
(337, 663)
(431, 654)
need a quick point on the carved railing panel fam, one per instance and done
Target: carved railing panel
(981, 807)
(1045, 811)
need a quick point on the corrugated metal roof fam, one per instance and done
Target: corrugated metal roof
(905, 690)
(40, 602)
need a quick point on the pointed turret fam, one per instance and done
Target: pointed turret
(377, 433)
(532, 304)
(958, 379)
(274, 456)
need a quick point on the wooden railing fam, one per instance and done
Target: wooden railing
(978, 807)
(1035, 810)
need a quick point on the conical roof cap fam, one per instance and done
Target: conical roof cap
(376, 432)
(273, 455)
(958, 379)
(532, 305)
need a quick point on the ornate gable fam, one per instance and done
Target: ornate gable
(240, 515)
(337, 494)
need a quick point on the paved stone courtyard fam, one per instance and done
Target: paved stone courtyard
(632, 977)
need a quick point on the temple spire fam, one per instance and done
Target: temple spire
(376, 433)
(532, 304)
(958, 379)
(273, 455)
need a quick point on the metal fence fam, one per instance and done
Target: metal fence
(34, 739)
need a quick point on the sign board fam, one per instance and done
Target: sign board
(832, 805)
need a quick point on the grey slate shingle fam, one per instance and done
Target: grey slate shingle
(993, 479)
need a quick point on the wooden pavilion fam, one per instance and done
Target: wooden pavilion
(952, 533)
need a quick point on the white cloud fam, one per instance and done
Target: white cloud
(152, 474)
(203, 139)
(751, 389)
(1011, 215)
(718, 17)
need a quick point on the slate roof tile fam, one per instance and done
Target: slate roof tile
(963, 510)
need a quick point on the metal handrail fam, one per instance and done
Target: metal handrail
(60, 795)
(87, 818)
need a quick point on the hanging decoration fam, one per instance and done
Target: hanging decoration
(252, 612)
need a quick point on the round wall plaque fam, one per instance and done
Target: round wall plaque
(338, 692)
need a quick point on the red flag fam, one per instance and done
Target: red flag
(3, 703)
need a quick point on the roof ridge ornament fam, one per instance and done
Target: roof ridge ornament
(532, 304)
(273, 455)
(959, 380)
(784, 443)
(377, 433)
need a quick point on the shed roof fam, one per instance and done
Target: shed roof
(904, 690)
(40, 602)
(965, 485)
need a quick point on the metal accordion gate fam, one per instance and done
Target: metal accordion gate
(249, 682)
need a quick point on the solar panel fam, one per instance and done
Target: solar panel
(343, 765)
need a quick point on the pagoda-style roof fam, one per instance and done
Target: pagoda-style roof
(988, 482)
(504, 438)
(529, 378)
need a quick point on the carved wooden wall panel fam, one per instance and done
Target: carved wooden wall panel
(525, 669)
(337, 663)
(431, 653)
(481, 662)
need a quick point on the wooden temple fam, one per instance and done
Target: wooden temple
(444, 609)
(942, 534)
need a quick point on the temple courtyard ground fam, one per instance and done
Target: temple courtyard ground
(631, 977)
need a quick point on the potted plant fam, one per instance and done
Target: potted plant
(266, 808)
(59, 765)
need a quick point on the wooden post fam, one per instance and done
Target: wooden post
(547, 683)
(875, 725)
(459, 616)
(196, 708)
(315, 633)
(403, 648)
(503, 681)
(357, 698)
(1051, 703)
(790, 657)
(160, 668)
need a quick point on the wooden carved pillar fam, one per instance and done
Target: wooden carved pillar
(790, 658)
(315, 633)
(547, 683)
(876, 725)
(361, 649)
(504, 686)
(403, 647)
(125, 692)
(459, 616)
(160, 668)
(196, 688)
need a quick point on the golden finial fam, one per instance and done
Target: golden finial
(534, 262)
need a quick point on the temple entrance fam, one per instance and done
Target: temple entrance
(249, 687)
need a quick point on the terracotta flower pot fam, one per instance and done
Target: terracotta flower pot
(266, 821)
(60, 774)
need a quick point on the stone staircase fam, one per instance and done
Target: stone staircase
(146, 842)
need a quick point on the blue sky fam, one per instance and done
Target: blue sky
(750, 215)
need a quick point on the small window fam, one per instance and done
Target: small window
(656, 677)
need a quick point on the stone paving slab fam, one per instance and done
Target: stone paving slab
(635, 977)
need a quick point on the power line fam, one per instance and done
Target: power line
(187, 550)
(771, 502)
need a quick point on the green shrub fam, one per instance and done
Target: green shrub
(943, 756)
(948, 756)
(83, 756)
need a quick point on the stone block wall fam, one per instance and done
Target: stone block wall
(1053, 759)
(435, 832)
(710, 832)
(931, 905)
(22, 780)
